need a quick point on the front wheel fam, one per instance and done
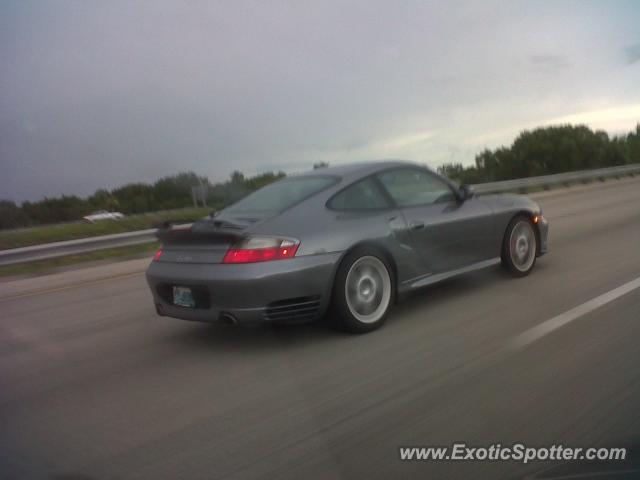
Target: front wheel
(519, 246)
(363, 291)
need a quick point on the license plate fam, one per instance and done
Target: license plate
(183, 297)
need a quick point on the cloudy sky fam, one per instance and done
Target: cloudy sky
(97, 94)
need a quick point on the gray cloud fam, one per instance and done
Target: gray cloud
(97, 94)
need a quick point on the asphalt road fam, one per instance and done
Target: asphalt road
(94, 385)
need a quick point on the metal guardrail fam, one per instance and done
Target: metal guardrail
(545, 181)
(72, 247)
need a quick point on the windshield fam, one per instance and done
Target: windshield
(281, 195)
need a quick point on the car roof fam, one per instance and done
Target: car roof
(352, 171)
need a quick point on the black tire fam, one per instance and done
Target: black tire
(344, 312)
(520, 246)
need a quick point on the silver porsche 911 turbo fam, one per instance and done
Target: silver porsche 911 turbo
(347, 239)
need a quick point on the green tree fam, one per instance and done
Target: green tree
(175, 191)
(549, 150)
(12, 216)
(135, 198)
(103, 200)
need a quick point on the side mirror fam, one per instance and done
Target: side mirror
(466, 192)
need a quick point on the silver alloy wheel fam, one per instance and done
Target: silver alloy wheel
(522, 245)
(367, 289)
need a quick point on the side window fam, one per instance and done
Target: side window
(363, 195)
(409, 187)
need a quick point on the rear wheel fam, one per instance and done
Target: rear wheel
(520, 246)
(363, 291)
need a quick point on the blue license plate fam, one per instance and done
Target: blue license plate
(183, 297)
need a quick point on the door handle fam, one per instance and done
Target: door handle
(416, 225)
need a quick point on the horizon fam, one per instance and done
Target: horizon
(291, 172)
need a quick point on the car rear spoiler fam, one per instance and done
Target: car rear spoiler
(203, 232)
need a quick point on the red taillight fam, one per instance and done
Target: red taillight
(244, 253)
(157, 255)
(251, 255)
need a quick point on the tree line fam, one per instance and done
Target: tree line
(170, 192)
(549, 150)
(542, 151)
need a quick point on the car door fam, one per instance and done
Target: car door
(449, 233)
(366, 213)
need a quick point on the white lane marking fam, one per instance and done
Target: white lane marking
(558, 321)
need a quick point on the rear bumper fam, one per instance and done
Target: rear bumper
(292, 290)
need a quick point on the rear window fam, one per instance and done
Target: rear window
(281, 195)
(363, 195)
